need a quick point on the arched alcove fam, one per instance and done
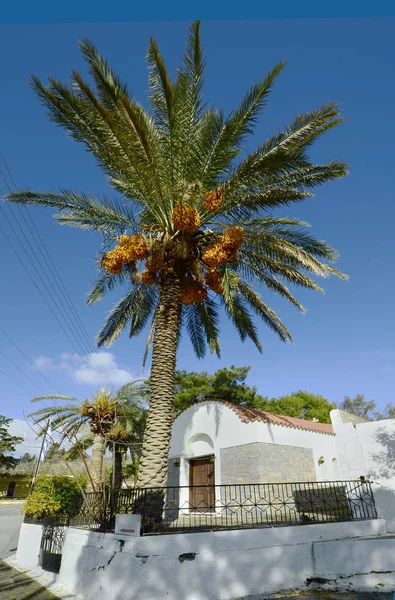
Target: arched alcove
(199, 444)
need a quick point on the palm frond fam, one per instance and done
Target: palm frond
(208, 314)
(233, 130)
(106, 283)
(109, 86)
(262, 310)
(54, 397)
(188, 102)
(282, 160)
(161, 89)
(135, 306)
(254, 275)
(82, 210)
(278, 268)
(195, 329)
(145, 304)
(121, 156)
(237, 310)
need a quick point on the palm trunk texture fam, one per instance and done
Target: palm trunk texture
(96, 464)
(118, 460)
(156, 444)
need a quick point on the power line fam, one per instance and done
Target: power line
(20, 370)
(69, 319)
(99, 371)
(28, 359)
(31, 278)
(51, 266)
(16, 382)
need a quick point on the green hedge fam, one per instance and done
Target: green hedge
(56, 495)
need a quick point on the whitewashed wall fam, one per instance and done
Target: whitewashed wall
(207, 427)
(368, 449)
(222, 565)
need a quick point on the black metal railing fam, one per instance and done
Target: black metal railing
(236, 506)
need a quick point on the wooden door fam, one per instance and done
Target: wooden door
(11, 489)
(202, 474)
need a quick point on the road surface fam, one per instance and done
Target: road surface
(10, 522)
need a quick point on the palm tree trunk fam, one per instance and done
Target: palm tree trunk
(96, 463)
(156, 443)
(118, 459)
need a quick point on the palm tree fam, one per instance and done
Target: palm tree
(99, 413)
(126, 434)
(105, 414)
(193, 207)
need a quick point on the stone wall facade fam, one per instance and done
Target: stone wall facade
(266, 463)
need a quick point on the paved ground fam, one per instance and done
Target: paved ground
(10, 522)
(321, 595)
(16, 586)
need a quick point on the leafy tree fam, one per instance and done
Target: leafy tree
(366, 408)
(360, 407)
(226, 384)
(388, 413)
(8, 444)
(27, 458)
(55, 451)
(194, 206)
(303, 405)
(230, 384)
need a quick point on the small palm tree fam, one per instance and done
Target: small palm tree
(193, 207)
(101, 414)
(126, 434)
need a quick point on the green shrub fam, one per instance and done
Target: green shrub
(41, 504)
(82, 478)
(56, 495)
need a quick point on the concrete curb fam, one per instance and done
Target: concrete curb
(48, 580)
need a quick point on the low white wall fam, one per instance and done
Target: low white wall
(206, 566)
(29, 545)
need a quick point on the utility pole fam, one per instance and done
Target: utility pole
(39, 459)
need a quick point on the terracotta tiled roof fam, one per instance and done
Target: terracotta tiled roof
(248, 415)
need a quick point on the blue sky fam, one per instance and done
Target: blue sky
(345, 343)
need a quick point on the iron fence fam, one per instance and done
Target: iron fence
(237, 506)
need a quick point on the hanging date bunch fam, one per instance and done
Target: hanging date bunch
(148, 277)
(185, 217)
(214, 280)
(194, 291)
(129, 249)
(225, 249)
(213, 200)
